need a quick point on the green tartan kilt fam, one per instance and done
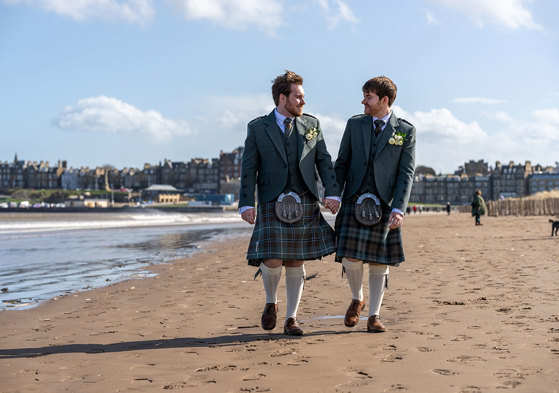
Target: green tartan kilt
(309, 238)
(376, 243)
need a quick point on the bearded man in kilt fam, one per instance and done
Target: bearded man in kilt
(376, 161)
(284, 152)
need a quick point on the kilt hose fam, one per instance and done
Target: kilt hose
(376, 243)
(309, 238)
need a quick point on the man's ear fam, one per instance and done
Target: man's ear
(282, 99)
(384, 100)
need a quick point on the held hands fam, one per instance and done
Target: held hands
(331, 205)
(249, 215)
(395, 220)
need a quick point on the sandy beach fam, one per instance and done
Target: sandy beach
(473, 309)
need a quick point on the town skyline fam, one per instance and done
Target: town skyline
(131, 81)
(554, 164)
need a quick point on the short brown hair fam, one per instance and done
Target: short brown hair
(381, 86)
(282, 84)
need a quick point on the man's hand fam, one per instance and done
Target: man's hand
(249, 215)
(395, 220)
(331, 204)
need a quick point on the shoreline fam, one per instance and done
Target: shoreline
(460, 319)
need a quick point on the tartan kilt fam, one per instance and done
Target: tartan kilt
(376, 243)
(309, 238)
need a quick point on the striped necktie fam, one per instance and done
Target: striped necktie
(288, 123)
(378, 129)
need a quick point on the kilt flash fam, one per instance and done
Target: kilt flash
(309, 238)
(375, 243)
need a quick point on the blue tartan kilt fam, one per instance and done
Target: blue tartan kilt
(376, 243)
(309, 238)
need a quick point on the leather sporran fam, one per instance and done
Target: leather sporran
(368, 211)
(289, 208)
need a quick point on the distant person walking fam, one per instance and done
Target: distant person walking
(478, 207)
(448, 208)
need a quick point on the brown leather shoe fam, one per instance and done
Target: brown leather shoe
(374, 325)
(269, 316)
(353, 311)
(291, 328)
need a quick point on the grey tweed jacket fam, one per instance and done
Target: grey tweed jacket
(265, 161)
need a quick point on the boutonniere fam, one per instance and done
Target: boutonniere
(397, 138)
(311, 133)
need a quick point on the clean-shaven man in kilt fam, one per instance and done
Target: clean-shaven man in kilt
(284, 152)
(376, 156)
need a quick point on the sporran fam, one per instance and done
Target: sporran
(368, 211)
(289, 208)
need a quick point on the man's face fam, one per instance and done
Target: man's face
(374, 106)
(296, 100)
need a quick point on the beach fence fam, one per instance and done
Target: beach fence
(523, 207)
(520, 207)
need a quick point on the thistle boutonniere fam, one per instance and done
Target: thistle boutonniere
(311, 133)
(397, 138)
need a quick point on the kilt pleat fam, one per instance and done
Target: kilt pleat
(309, 238)
(376, 243)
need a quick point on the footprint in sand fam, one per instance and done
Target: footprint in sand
(424, 349)
(445, 372)
(461, 337)
(392, 358)
(470, 389)
(396, 388)
(511, 378)
(466, 358)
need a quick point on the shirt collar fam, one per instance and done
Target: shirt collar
(384, 119)
(280, 118)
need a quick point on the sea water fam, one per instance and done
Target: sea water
(43, 255)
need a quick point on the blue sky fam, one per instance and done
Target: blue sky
(132, 81)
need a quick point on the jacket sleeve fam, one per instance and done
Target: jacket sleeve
(249, 167)
(406, 170)
(341, 166)
(325, 168)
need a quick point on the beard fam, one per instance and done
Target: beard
(294, 110)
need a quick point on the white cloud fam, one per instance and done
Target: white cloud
(333, 128)
(232, 113)
(501, 116)
(133, 11)
(110, 115)
(511, 14)
(445, 142)
(478, 100)
(431, 19)
(235, 14)
(335, 12)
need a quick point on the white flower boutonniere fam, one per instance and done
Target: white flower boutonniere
(311, 133)
(397, 138)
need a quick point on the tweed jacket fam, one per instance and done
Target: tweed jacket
(394, 165)
(264, 161)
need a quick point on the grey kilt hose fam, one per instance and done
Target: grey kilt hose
(309, 238)
(376, 243)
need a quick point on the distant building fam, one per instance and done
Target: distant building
(161, 193)
(539, 182)
(229, 167)
(510, 181)
(473, 168)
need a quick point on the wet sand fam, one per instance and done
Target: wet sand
(474, 309)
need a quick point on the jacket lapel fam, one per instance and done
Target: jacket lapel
(301, 126)
(387, 133)
(272, 129)
(366, 125)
